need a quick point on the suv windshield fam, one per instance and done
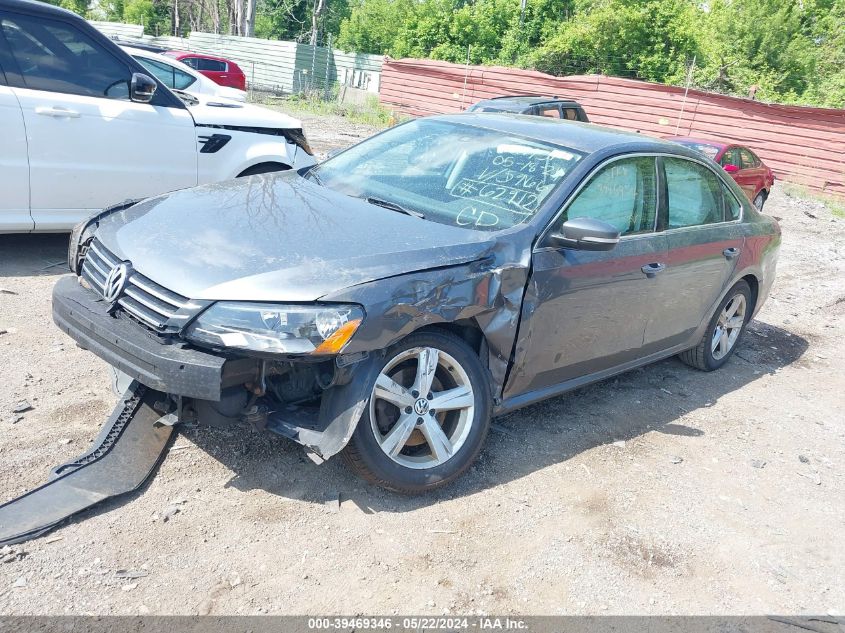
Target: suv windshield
(453, 174)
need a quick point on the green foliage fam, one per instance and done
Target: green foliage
(370, 112)
(651, 39)
(372, 25)
(778, 50)
(77, 6)
(139, 11)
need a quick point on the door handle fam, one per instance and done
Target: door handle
(57, 112)
(730, 253)
(651, 270)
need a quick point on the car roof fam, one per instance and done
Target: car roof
(200, 56)
(702, 141)
(525, 100)
(582, 137)
(30, 6)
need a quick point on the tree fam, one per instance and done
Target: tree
(759, 43)
(373, 25)
(648, 39)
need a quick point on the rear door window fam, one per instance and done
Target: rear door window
(731, 157)
(570, 114)
(694, 194)
(749, 161)
(212, 65)
(733, 209)
(58, 57)
(623, 194)
(549, 110)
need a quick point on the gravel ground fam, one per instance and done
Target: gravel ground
(665, 490)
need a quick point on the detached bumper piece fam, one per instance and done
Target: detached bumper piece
(121, 458)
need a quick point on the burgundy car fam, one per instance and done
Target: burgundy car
(749, 172)
(220, 70)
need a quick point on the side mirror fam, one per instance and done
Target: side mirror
(585, 234)
(142, 88)
(731, 169)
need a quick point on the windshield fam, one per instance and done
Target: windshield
(453, 174)
(705, 148)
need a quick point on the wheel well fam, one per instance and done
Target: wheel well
(752, 282)
(263, 168)
(465, 329)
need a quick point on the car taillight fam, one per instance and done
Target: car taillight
(297, 137)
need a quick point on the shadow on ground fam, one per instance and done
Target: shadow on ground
(33, 254)
(652, 398)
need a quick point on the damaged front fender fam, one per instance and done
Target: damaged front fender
(486, 293)
(341, 406)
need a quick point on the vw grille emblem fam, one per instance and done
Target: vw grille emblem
(116, 282)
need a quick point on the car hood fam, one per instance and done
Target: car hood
(232, 93)
(277, 238)
(216, 110)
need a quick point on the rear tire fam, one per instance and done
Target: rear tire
(402, 442)
(760, 200)
(724, 330)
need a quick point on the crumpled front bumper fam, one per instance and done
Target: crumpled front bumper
(174, 368)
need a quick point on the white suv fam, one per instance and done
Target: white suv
(84, 126)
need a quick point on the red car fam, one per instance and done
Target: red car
(750, 173)
(219, 69)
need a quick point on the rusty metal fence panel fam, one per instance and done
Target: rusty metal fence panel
(801, 144)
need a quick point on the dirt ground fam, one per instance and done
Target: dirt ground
(663, 491)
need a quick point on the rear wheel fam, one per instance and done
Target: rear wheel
(724, 331)
(428, 415)
(760, 200)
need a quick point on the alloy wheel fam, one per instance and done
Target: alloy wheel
(422, 408)
(728, 327)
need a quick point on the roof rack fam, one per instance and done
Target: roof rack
(524, 95)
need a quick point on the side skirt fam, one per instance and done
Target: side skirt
(532, 397)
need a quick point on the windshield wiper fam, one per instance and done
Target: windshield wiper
(188, 98)
(312, 174)
(387, 204)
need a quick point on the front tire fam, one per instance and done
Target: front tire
(724, 331)
(427, 418)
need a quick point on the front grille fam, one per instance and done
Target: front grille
(142, 299)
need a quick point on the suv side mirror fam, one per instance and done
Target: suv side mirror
(142, 88)
(585, 234)
(731, 169)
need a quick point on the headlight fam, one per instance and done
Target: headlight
(281, 329)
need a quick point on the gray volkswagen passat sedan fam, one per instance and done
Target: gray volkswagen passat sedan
(387, 303)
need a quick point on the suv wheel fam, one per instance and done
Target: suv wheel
(428, 415)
